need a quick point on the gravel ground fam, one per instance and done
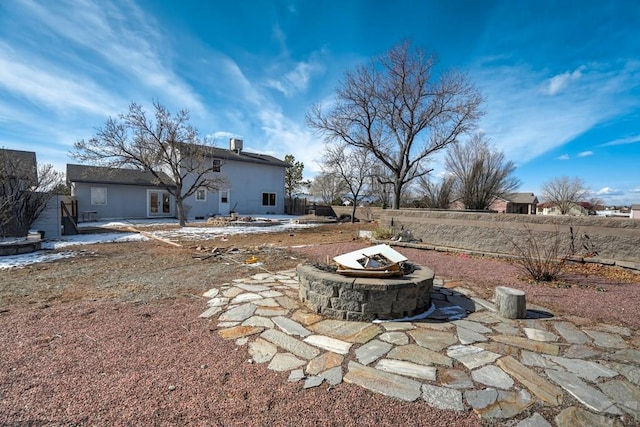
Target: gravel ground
(112, 336)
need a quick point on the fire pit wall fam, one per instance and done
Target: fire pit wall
(365, 299)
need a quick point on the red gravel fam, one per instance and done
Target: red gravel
(113, 338)
(158, 364)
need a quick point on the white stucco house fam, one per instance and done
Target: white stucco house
(255, 185)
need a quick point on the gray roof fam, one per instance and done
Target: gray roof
(105, 175)
(22, 163)
(528, 198)
(245, 156)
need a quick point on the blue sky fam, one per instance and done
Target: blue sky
(560, 79)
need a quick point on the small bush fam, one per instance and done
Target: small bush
(543, 260)
(383, 233)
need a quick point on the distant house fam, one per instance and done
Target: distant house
(255, 186)
(635, 211)
(517, 203)
(576, 209)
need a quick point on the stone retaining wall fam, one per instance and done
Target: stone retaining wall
(616, 240)
(365, 299)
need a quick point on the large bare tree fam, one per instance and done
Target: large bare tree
(163, 143)
(354, 166)
(401, 110)
(24, 191)
(481, 173)
(564, 192)
(329, 186)
(436, 194)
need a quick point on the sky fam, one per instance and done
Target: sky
(560, 79)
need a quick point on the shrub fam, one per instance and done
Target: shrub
(383, 233)
(543, 260)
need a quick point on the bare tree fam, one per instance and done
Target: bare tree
(353, 165)
(164, 143)
(437, 194)
(23, 193)
(329, 186)
(379, 187)
(481, 173)
(395, 108)
(564, 192)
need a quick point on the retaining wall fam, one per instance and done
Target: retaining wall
(595, 239)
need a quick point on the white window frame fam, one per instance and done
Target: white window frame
(275, 199)
(98, 196)
(202, 191)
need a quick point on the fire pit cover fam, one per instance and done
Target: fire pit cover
(374, 261)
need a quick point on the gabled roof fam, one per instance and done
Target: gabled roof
(528, 198)
(21, 164)
(105, 175)
(245, 156)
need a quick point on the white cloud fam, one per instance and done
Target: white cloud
(124, 38)
(622, 141)
(585, 154)
(559, 82)
(295, 80)
(608, 191)
(524, 123)
(564, 157)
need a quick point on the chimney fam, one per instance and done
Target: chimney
(235, 144)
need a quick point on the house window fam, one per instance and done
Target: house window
(201, 194)
(224, 197)
(98, 195)
(215, 166)
(268, 199)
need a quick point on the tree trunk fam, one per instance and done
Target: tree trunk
(511, 303)
(180, 206)
(353, 212)
(397, 191)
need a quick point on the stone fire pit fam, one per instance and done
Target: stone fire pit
(365, 298)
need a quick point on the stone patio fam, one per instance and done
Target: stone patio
(463, 356)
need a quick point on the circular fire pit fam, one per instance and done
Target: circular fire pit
(363, 298)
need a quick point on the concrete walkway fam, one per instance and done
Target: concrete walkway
(462, 357)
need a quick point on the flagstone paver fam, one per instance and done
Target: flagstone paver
(576, 417)
(383, 382)
(462, 356)
(535, 420)
(443, 397)
(407, 368)
(420, 355)
(372, 351)
(492, 376)
(587, 395)
(328, 343)
(571, 333)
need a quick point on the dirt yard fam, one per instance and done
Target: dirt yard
(112, 336)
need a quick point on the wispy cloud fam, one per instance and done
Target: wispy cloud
(558, 83)
(585, 154)
(525, 122)
(295, 80)
(121, 35)
(564, 157)
(622, 141)
(608, 191)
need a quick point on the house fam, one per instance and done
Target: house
(518, 203)
(576, 209)
(635, 211)
(109, 193)
(255, 185)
